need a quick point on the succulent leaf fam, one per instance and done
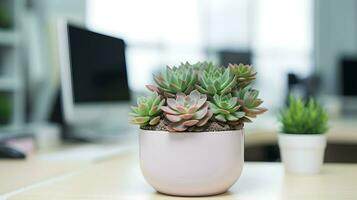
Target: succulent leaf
(225, 109)
(175, 80)
(187, 111)
(221, 117)
(147, 111)
(245, 74)
(154, 120)
(249, 101)
(215, 80)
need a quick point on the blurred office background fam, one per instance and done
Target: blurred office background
(308, 47)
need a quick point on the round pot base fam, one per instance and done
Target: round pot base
(198, 195)
(191, 163)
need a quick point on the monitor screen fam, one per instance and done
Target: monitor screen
(98, 67)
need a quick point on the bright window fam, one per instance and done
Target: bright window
(282, 43)
(160, 32)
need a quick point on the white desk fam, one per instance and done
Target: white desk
(120, 178)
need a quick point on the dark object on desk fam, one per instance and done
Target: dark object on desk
(348, 77)
(11, 153)
(231, 56)
(348, 85)
(306, 87)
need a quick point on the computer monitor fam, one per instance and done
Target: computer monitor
(94, 79)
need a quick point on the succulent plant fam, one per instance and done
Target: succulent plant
(148, 110)
(187, 112)
(245, 74)
(226, 109)
(303, 118)
(216, 80)
(199, 97)
(181, 79)
(248, 99)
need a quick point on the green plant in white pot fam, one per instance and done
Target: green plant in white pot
(302, 140)
(191, 127)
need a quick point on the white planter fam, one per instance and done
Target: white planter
(302, 153)
(191, 164)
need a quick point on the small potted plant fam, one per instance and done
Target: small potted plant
(302, 141)
(191, 139)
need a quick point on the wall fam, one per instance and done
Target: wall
(335, 35)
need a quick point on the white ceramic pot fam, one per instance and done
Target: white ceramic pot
(191, 163)
(302, 153)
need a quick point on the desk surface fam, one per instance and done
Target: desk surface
(120, 178)
(15, 174)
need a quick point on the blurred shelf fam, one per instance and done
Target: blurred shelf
(11, 62)
(7, 37)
